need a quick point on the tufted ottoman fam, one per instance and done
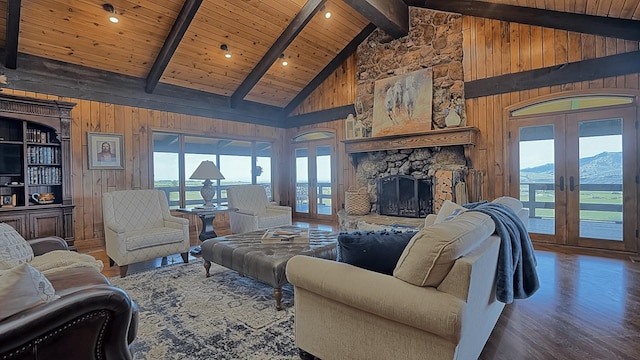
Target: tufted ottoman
(265, 262)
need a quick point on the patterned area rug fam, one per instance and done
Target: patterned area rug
(185, 315)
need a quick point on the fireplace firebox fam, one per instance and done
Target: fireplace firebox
(404, 195)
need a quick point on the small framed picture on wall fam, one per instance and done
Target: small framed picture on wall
(105, 151)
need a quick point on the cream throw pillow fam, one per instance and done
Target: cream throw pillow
(21, 288)
(448, 211)
(14, 249)
(430, 254)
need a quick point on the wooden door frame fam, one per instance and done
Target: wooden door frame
(513, 156)
(630, 147)
(332, 142)
(557, 120)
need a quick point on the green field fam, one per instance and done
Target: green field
(586, 197)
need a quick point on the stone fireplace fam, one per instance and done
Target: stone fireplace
(434, 41)
(404, 195)
(419, 164)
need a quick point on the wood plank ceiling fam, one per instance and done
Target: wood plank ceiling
(78, 32)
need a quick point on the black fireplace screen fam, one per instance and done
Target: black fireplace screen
(404, 195)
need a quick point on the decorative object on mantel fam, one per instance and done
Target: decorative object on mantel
(359, 130)
(453, 112)
(402, 104)
(349, 123)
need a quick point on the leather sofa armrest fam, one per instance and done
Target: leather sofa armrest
(425, 308)
(44, 245)
(74, 324)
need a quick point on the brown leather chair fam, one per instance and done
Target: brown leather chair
(90, 320)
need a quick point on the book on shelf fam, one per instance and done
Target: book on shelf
(286, 235)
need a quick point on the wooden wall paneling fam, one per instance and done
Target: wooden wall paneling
(118, 128)
(467, 55)
(574, 47)
(548, 42)
(128, 173)
(135, 148)
(514, 54)
(145, 161)
(632, 81)
(524, 47)
(480, 47)
(337, 90)
(87, 179)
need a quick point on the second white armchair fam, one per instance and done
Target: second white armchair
(249, 209)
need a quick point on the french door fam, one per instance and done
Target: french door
(576, 172)
(313, 175)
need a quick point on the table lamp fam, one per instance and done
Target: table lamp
(207, 171)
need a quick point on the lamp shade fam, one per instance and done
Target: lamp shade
(207, 170)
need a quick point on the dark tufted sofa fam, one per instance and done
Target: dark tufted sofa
(90, 320)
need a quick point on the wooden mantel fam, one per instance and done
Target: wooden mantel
(444, 137)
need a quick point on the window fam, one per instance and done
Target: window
(573, 103)
(176, 157)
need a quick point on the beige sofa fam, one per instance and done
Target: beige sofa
(437, 306)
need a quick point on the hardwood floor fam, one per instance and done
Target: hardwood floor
(588, 307)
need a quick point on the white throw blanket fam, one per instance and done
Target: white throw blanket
(59, 260)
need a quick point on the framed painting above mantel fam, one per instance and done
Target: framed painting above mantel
(402, 104)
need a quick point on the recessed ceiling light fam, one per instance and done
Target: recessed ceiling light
(327, 15)
(110, 9)
(227, 52)
(284, 61)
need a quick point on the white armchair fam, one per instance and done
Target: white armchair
(138, 226)
(249, 209)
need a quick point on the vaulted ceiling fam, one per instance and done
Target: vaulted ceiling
(178, 42)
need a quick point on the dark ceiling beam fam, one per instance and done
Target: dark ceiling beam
(288, 35)
(11, 35)
(330, 68)
(336, 113)
(392, 16)
(585, 70)
(581, 23)
(46, 76)
(180, 26)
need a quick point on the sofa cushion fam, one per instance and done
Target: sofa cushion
(14, 249)
(448, 211)
(62, 260)
(140, 239)
(373, 250)
(430, 255)
(21, 288)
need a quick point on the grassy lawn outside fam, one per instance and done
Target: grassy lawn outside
(586, 197)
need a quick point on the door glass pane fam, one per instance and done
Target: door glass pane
(166, 175)
(302, 180)
(323, 176)
(263, 166)
(600, 182)
(537, 177)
